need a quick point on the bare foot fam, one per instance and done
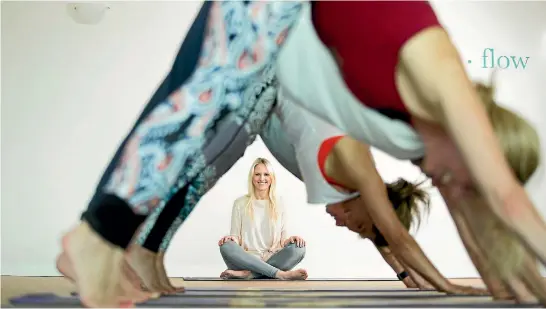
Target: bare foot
(132, 276)
(65, 267)
(98, 270)
(143, 262)
(164, 281)
(236, 274)
(298, 274)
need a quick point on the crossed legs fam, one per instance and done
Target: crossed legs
(242, 264)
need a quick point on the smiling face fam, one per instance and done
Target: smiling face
(261, 178)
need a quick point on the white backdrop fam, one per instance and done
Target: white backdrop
(71, 92)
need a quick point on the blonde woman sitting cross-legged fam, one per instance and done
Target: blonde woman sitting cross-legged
(258, 245)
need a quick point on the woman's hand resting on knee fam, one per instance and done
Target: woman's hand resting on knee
(225, 239)
(294, 240)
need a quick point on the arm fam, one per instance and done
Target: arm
(236, 222)
(284, 226)
(418, 279)
(493, 283)
(395, 265)
(502, 287)
(365, 178)
(433, 64)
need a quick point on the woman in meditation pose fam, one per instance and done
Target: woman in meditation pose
(258, 245)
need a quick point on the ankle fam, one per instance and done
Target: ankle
(280, 274)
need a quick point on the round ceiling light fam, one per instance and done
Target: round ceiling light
(88, 13)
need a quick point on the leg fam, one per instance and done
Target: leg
(144, 256)
(287, 258)
(147, 254)
(166, 150)
(238, 259)
(184, 65)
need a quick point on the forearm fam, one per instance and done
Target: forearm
(391, 259)
(417, 262)
(421, 282)
(493, 283)
(418, 280)
(400, 241)
(397, 266)
(373, 192)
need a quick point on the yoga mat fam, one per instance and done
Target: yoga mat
(271, 279)
(296, 289)
(301, 293)
(313, 294)
(440, 302)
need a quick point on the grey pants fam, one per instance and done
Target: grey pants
(238, 259)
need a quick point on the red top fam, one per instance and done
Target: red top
(368, 36)
(324, 150)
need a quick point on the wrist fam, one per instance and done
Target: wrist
(402, 275)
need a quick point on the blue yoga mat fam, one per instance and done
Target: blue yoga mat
(211, 301)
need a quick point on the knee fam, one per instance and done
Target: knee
(295, 251)
(227, 247)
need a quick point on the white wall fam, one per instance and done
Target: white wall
(71, 92)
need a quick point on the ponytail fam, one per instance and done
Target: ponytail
(405, 198)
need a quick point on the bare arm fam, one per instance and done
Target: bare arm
(396, 266)
(418, 279)
(365, 178)
(507, 286)
(440, 78)
(433, 65)
(284, 230)
(493, 283)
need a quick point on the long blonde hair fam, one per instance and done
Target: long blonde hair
(521, 146)
(272, 208)
(518, 139)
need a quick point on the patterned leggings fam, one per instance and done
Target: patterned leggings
(190, 140)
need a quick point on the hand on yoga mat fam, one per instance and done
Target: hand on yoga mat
(225, 239)
(467, 290)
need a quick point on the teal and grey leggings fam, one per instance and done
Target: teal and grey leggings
(238, 259)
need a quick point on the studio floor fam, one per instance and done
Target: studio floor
(209, 293)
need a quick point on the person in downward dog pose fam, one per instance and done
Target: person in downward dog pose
(338, 169)
(184, 64)
(258, 245)
(390, 77)
(198, 131)
(275, 139)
